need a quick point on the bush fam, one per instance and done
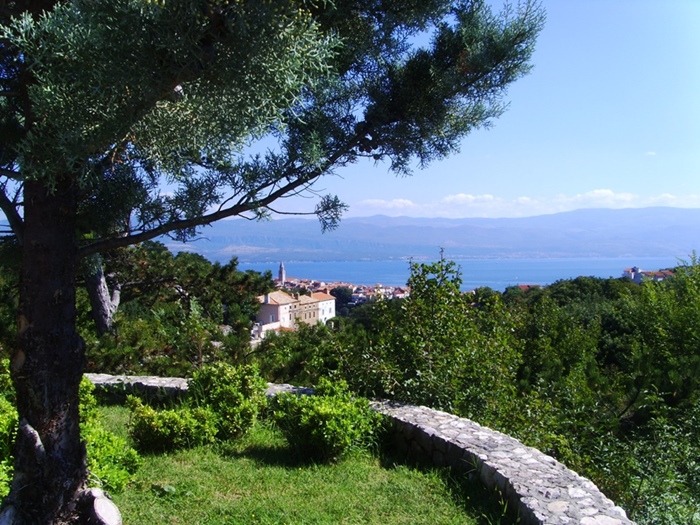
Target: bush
(235, 394)
(7, 389)
(111, 461)
(327, 425)
(223, 402)
(8, 427)
(161, 430)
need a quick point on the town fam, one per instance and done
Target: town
(309, 301)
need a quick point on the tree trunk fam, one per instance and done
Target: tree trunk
(104, 305)
(47, 365)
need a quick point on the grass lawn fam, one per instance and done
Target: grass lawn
(259, 480)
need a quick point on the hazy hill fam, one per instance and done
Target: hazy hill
(645, 232)
(642, 232)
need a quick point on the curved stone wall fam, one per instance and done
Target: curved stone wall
(541, 489)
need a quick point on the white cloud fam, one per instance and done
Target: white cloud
(380, 205)
(677, 201)
(491, 206)
(465, 198)
(602, 198)
(650, 154)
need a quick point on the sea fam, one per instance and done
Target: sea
(497, 274)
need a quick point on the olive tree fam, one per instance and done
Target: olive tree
(126, 120)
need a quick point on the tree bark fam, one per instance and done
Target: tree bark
(47, 365)
(104, 305)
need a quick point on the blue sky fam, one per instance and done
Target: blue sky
(609, 117)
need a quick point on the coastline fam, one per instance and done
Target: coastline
(495, 273)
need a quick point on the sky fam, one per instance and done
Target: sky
(609, 117)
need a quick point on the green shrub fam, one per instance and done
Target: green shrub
(170, 341)
(327, 425)
(223, 402)
(111, 461)
(147, 345)
(88, 401)
(5, 476)
(160, 430)
(235, 394)
(8, 427)
(7, 389)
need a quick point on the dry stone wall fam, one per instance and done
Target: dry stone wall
(541, 489)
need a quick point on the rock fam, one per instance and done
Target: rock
(100, 509)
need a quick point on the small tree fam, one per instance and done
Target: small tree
(664, 364)
(343, 296)
(436, 347)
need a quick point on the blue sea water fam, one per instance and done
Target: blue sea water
(494, 273)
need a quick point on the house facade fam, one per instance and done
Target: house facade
(279, 311)
(276, 307)
(638, 275)
(325, 306)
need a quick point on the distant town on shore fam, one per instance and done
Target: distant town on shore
(364, 292)
(309, 301)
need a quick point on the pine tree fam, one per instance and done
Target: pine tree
(106, 102)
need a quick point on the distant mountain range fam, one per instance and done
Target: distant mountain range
(638, 232)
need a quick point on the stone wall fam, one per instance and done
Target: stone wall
(541, 489)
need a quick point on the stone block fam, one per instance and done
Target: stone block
(424, 437)
(439, 443)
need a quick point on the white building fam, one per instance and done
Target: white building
(279, 310)
(325, 306)
(638, 275)
(277, 307)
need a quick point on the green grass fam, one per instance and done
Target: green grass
(259, 480)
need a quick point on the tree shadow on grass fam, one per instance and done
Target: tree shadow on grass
(274, 455)
(466, 490)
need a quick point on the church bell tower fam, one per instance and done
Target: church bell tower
(282, 275)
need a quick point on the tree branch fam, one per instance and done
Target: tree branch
(630, 403)
(232, 211)
(243, 205)
(10, 174)
(297, 213)
(248, 202)
(13, 216)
